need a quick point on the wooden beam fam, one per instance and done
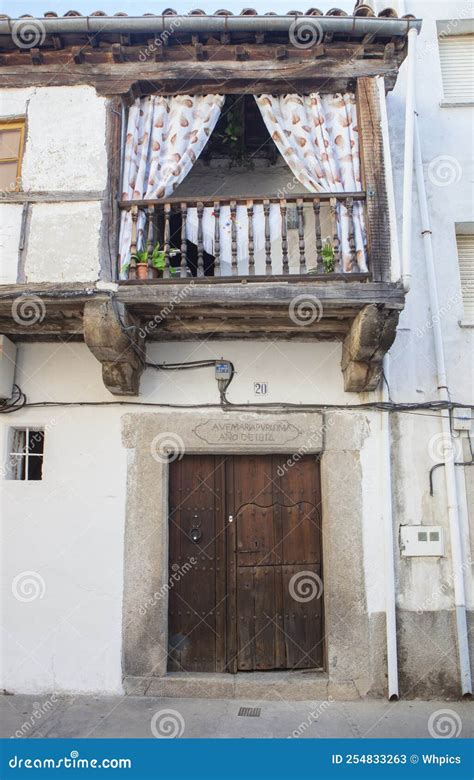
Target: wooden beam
(371, 335)
(36, 56)
(78, 54)
(119, 354)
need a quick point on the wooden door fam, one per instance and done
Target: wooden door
(253, 598)
(276, 567)
(196, 626)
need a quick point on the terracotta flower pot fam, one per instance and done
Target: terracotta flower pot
(142, 271)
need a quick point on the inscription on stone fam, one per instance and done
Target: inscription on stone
(238, 432)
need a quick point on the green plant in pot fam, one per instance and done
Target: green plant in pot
(327, 253)
(158, 260)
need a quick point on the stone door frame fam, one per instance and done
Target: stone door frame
(153, 438)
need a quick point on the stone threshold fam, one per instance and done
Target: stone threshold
(292, 685)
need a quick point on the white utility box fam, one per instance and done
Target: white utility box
(461, 419)
(421, 540)
(7, 367)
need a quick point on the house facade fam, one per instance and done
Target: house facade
(236, 354)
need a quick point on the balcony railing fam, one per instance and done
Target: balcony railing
(307, 231)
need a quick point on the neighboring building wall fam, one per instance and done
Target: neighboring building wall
(446, 140)
(65, 156)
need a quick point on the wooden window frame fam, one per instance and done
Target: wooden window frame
(25, 453)
(15, 124)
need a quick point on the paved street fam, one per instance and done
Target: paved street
(146, 716)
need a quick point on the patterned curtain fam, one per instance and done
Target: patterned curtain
(165, 136)
(318, 137)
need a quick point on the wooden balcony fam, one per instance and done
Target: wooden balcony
(308, 240)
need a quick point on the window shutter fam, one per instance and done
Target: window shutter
(466, 268)
(457, 67)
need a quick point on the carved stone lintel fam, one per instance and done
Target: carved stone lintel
(105, 337)
(371, 335)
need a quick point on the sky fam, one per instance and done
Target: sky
(15, 8)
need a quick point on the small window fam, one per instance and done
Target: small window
(26, 454)
(457, 67)
(465, 245)
(422, 536)
(12, 136)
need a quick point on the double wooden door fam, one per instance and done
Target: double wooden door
(246, 587)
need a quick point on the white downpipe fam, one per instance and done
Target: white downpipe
(389, 547)
(395, 270)
(449, 451)
(408, 161)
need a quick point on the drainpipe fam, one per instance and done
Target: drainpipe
(389, 547)
(408, 161)
(449, 454)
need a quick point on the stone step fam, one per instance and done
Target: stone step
(293, 686)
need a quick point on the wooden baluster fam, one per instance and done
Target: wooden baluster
(166, 241)
(132, 272)
(349, 204)
(217, 239)
(284, 238)
(233, 235)
(200, 246)
(268, 244)
(251, 244)
(150, 240)
(184, 247)
(319, 242)
(335, 236)
(301, 244)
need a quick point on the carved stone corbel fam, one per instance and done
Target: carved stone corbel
(371, 335)
(121, 356)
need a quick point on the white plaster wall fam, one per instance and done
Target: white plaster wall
(10, 227)
(63, 242)
(446, 140)
(64, 151)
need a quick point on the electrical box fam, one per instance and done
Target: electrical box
(421, 540)
(461, 419)
(223, 370)
(7, 367)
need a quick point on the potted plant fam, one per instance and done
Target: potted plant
(158, 260)
(141, 259)
(328, 256)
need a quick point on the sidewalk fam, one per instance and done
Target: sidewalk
(147, 717)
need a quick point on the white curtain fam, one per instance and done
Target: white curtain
(241, 223)
(165, 136)
(318, 137)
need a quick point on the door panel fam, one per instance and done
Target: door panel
(197, 593)
(278, 599)
(253, 598)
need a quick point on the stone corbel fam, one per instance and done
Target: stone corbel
(371, 335)
(119, 353)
